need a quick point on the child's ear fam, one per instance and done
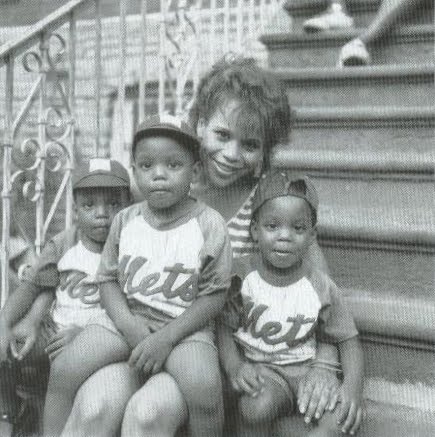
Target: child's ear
(197, 171)
(200, 128)
(254, 230)
(313, 235)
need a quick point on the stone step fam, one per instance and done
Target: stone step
(386, 142)
(386, 85)
(363, 11)
(382, 419)
(378, 235)
(412, 44)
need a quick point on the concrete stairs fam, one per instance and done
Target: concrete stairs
(366, 136)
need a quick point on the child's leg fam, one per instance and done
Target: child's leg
(195, 367)
(256, 415)
(158, 409)
(94, 348)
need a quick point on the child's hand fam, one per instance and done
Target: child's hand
(246, 378)
(315, 392)
(60, 340)
(137, 332)
(350, 409)
(25, 334)
(151, 353)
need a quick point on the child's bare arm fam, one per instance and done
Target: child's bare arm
(242, 374)
(350, 393)
(151, 353)
(115, 303)
(17, 305)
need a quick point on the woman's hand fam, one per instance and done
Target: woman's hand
(246, 378)
(151, 353)
(350, 411)
(60, 340)
(315, 393)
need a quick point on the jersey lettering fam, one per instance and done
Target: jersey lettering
(252, 313)
(187, 291)
(87, 293)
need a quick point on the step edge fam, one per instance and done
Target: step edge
(301, 10)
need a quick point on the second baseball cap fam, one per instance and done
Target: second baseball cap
(100, 172)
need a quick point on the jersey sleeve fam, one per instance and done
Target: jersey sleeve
(216, 255)
(44, 272)
(336, 323)
(108, 268)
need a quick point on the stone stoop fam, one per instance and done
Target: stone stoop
(365, 135)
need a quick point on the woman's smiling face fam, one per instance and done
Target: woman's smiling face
(231, 147)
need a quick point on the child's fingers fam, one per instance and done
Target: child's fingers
(314, 402)
(246, 387)
(357, 423)
(344, 411)
(142, 360)
(333, 401)
(134, 356)
(304, 395)
(54, 354)
(53, 346)
(351, 416)
(147, 367)
(323, 402)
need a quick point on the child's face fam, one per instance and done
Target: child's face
(227, 154)
(95, 210)
(163, 170)
(284, 231)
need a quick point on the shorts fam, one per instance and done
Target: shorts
(205, 335)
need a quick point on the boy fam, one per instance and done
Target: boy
(279, 308)
(163, 274)
(67, 268)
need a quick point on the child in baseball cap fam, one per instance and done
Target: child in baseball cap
(65, 270)
(278, 308)
(164, 273)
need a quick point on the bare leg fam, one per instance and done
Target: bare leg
(100, 402)
(158, 409)
(93, 349)
(388, 14)
(195, 367)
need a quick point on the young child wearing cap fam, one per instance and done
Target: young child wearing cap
(65, 270)
(278, 309)
(163, 275)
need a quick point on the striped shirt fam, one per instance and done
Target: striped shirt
(238, 229)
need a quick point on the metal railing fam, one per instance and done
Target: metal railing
(190, 38)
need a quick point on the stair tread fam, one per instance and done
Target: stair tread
(344, 35)
(355, 73)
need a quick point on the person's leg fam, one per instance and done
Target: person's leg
(195, 367)
(94, 348)
(388, 14)
(100, 402)
(257, 415)
(158, 409)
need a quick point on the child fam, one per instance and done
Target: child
(163, 273)
(278, 309)
(66, 266)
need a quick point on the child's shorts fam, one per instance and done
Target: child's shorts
(205, 335)
(287, 376)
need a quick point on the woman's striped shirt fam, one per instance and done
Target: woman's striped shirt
(238, 228)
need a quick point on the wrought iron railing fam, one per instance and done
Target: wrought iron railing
(186, 36)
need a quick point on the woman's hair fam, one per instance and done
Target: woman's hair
(264, 107)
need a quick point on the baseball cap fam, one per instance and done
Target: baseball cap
(167, 125)
(278, 183)
(100, 172)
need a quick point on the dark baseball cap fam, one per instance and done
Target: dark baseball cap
(278, 183)
(100, 172)
(166, 125)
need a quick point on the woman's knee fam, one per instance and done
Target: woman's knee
(263, 408)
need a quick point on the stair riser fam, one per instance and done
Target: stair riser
(377, 92)
(407, 274)
(401, 365)
(362, 140)
(295, 56)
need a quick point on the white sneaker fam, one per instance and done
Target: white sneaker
(333, 18)
(353, 53)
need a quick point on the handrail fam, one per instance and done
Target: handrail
(54, 19)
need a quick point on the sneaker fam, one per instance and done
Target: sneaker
(333, 18)
(354, 53)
